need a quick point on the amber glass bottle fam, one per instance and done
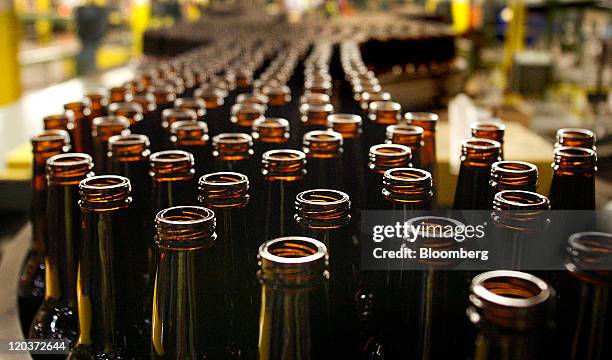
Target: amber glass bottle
(192, 136)
(81, 134)
(575, 137)
(428, 122)
(513, 175)
(269, 134)
(59, 122)
(57, 316)
(32, 276)
(323, 149)
(573, 182)
(98, 101)
(253, 98)
(585, 304)
(520, 218)
(293, 321)
(150, 119)
(103, 128)
(185, 323)
(227, 194)
(408, 135)
(170, 116)
(129, 157)
(164, 100)
(172, 174)
(130, 110)
(283, 171)
(196, 104)
(477, 157)
(218, 112)
(109, 303)
(381, 114)
(408, 189)
(353, 179)
(244, 115)
(324, 215)
(511, 310)
(279, 100)
(232, 152)
(491, 130)
(313, 117)
(119, 94)
(383, 157)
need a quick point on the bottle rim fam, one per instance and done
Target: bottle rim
(574, 152)
(515, 167)
(308, 250)
(69, 168)
(483, 287)
(322, 143)
(57, 121)
(574, 134)
(519, 200)
(185, 228)
(421, 117)
(589, 256)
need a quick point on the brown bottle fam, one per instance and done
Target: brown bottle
(408, 189)
(119, 94)
(244, 115)
(279, 99)
(196, 104)
(575, 137)
(217, 110)
(584, 306)
(520, 218)
(253, 98)
(511, 310)
(477, 157)
(98, 102)
(109, 298)
(149, 118)
(186, 298)
(513, 175)
(32, 276)
(57, 316)
(428, 122)
(283, 171)
(129, 157)
(323, 149)
(172, 175)
(103, 129)
(383, 157)
(367, 98)
(408, 135)
(59, 122)
(129, 110)
(81, 136)
(349, 126)
(192, 136)
(227, 194)
(381, 114)
(324, 214)
(490, 130)
(293, 318)
(573, 182)
(170, 116)
(269, 134)
(232, 152)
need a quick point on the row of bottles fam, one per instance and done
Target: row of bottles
(223, 221)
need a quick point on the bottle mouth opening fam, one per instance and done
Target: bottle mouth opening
(194, 104)
(52, 136)
(519, 199)
(488, 126)
(146, 100)
(125, 107)
(308, 108)
(274, 123)
(129, 145)
(70, 160)
(293, 250)
(171, 156)
(403, 129)
(185, 227)
(344, 119)
(105, 182)
(385, 106)
(77, 106)
(322, 143)
(189, 129)
(322, 197)
(376, 96)
(284, 155)
(252, 98)
(390, 150)
(315, 98)
(58, 121)
(421, 117)
(480, 144)
(514, 167)
(221, 179)
(173, 115)
(407, 175)
(248, 108)
(111, 121)
(574, 152)
(232, 146)
(575, 134)
(510, 288)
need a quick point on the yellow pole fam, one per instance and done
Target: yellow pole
(43, 26)
(10, 84)
(515, 33)
(141, 13)
(460, 10)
